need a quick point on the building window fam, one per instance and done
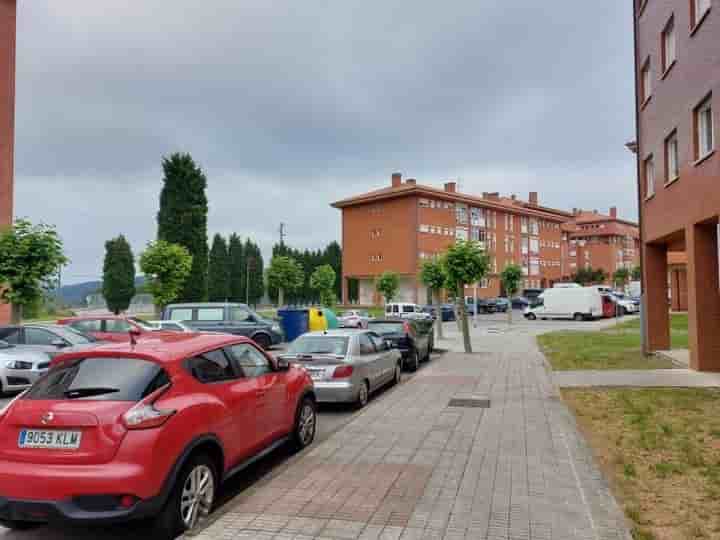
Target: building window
(649, 169)
(699, 9)
(704, 135)
(669, 45)
(645, 82)
(424, 228)
(672, 162)
(461, 234)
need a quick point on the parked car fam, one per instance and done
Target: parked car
(121, 432)
(520, 302)
(405, 311)
(413, 338)
(484, 305)
(171, 326)
(110, 327)
(19, 368)
(51, 339)
(580, 304)
(531, 294)
(354, 319)
(346, 366)
(229, 318)
(501, 304)
(626, 305)
(447, 310)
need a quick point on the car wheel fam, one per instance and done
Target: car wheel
(414, 360)
(363, 395)
(191, 499)
(263, 341)
(578, 317)
(305, 424)
(18, 525)
(531, 316)
(397, 376)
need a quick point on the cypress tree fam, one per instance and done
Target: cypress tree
(219, 271)
(238, 271)
(257, 279)
(182, 219)
(118, 286)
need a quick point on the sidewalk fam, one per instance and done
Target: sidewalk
(412, 467)
(648, 378)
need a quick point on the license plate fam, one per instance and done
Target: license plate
(316, 374)
(49, 439)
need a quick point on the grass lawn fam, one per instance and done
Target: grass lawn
(660, 450)
(613, 348)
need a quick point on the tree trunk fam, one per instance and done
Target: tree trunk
(281, 297)
(16, 313)
(438, 312)
(510, 311)
(158, 311)
(464, 323)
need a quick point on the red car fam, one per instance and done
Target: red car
(121, 432)
(110, 327)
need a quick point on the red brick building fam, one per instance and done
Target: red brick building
(677, 53)
(7, 118)
(398, 227)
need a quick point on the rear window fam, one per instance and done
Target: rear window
(337, 345)
(181, 314)
(387, 327)
(107, 379)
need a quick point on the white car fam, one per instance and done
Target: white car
(406, 311)
(626, 305)
(171, 326)
(20, 368)
(354, 319)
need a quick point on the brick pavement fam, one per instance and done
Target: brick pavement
(409, 467)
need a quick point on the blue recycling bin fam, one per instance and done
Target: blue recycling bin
(294, 322)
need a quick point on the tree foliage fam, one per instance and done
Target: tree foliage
(30, 256)
(182, 219)
(238, 271)
(637, 273)
(310, 260)
(432, 275)
(118, 287)
(388, 285)
(511, 277)
(166, 266)
(588, 275)
(255, 265)
(285, 274)
(621, 277)
(219, 271)
(323, 281)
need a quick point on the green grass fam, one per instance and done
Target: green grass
(613, 348)
(660, 450)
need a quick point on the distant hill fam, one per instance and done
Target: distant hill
(74, 295)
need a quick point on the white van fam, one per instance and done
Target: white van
(566, 285)
(405, 311)
(581, 304)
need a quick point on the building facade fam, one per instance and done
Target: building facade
(398, 227)
(677, 53)
(7, 118)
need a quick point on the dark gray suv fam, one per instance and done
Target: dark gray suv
(228, 318)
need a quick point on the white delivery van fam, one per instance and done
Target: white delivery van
(579, 303)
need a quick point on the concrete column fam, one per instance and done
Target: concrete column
(657, 318)
(703, 297)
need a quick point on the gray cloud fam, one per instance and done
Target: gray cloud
(289, 106)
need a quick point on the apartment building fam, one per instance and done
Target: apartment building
(677, 55)
(398, 227)
(7, 118)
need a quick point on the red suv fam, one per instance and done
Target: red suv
(121, 432)
(110, 327)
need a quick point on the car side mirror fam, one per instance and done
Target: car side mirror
(282, 364)
(59, 343)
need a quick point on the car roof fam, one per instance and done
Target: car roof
(95, 317)
(206, 304)
(337, 332)
(162, 348)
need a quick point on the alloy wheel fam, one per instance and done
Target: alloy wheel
(306, 424)
(198, 495)
(363, 395)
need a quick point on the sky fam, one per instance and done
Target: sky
(289, 106)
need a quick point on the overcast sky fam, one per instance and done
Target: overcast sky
(288, 106)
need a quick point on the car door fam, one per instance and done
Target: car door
(221, 379)
(386, 358)
(370, 360)
(242, 321)
(272, 414)
(210, 319)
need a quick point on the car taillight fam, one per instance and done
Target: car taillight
(406, 327)
(342, 372)
(145, 415)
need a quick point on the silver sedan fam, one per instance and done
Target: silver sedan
(346, 365)
(20, 368)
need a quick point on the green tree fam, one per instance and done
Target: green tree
(388, 285)
(637, 273)
(118, 287)
(286, 275)
(166, 267)
(465, 263)
(511, 277)
(621, 277)
(433, 277)
(238, 270)
(219, 271)
(254, 265)
(30, 257)
(322, 280)
(333, 256)
(182, 219)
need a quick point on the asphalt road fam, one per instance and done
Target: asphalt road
(330, 419)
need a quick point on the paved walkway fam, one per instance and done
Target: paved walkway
(680, 378)
(412, 467)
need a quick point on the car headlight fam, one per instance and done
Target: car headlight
(276, 328)
(18, 364)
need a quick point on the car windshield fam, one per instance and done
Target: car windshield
(145, 325)
(116, 379)
(387, 327)
(336, 345)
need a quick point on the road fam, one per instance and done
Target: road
(330, 419)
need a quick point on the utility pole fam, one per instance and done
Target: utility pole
(283, 234)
